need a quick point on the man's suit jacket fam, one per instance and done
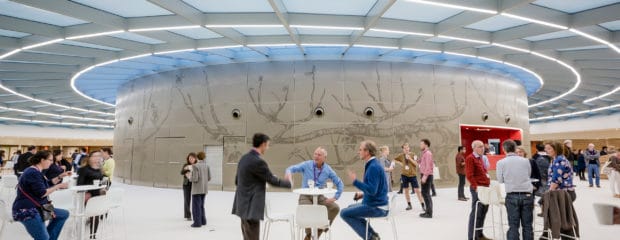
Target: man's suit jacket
(252, 175)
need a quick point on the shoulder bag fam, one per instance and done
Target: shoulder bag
(46, 210)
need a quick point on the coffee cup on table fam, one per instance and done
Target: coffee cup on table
(311, 183)
(96, 182)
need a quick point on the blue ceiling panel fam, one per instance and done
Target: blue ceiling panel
(103, 81)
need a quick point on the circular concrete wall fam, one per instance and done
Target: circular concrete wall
(162, 117)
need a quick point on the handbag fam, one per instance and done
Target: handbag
(436, 175)
(46, 211)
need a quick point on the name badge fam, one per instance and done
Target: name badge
(406, 167)
(488, 176)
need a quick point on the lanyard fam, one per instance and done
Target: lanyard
(316, 178)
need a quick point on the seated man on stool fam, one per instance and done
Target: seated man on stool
(318, 171)
(374, 193)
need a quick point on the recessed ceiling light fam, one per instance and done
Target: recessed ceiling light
(164, 28)
(455, 6)
(328, 27)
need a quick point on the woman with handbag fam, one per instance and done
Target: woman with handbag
(187, 184)
(32, 207)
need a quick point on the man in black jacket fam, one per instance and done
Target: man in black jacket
(252, 174)
(22, 161)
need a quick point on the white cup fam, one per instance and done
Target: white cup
(330, 185)
(310, 183)
(96, 182)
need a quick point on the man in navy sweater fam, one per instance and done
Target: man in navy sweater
(374, 193)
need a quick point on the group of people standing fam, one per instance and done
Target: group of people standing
(196, 177)
(548, 174)
(253, 173)
(43, 172)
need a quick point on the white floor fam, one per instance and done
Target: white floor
(152, 213)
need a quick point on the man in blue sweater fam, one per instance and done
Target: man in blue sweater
(374, 193)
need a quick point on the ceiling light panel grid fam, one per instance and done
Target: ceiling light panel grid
(573, 6)
(13, 34)
(496, 23)
(230, 6)
(126, 9)
(196, 33)
(339, 7)
(17, 10)
(412, 11)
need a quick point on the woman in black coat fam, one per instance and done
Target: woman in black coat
(187, 184)
(56, 170)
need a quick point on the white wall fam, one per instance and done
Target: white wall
(54, 132)
(576, 125)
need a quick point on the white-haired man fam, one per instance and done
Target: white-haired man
(318, 171)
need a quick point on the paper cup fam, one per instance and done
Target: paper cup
(330, 185)
(310, 183)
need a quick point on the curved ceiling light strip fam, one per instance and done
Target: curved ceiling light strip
(576, 113)
(532, 20)
(55, 123)
(55, 115)
(418, 1)
(53, 104)
(602, 96)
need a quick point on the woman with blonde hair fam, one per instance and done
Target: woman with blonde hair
(388, 166)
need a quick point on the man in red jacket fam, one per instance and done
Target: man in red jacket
(477, 175)
(460, 170)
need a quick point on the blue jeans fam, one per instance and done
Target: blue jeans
(36, 227)
(480, 215)
(354, 216)
(198, 210)
(520, 209)
(594, 172)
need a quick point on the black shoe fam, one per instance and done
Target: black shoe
(195, 226)
(590, 185)
(188, 219)
(426, 215)
(408, 208)
(462, 199)
(434, 195)
(598, 186)
(375, 237)
(399, 192)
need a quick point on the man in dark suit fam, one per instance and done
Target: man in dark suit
(252, 174)
(22, 161)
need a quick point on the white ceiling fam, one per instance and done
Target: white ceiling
(36, 80)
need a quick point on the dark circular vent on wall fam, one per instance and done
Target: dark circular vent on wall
(319, 111)
(130, 120)
(369, 111)
(485, 116)
(236, 113)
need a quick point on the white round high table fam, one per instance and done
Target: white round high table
(80, 195)
(315, 192)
